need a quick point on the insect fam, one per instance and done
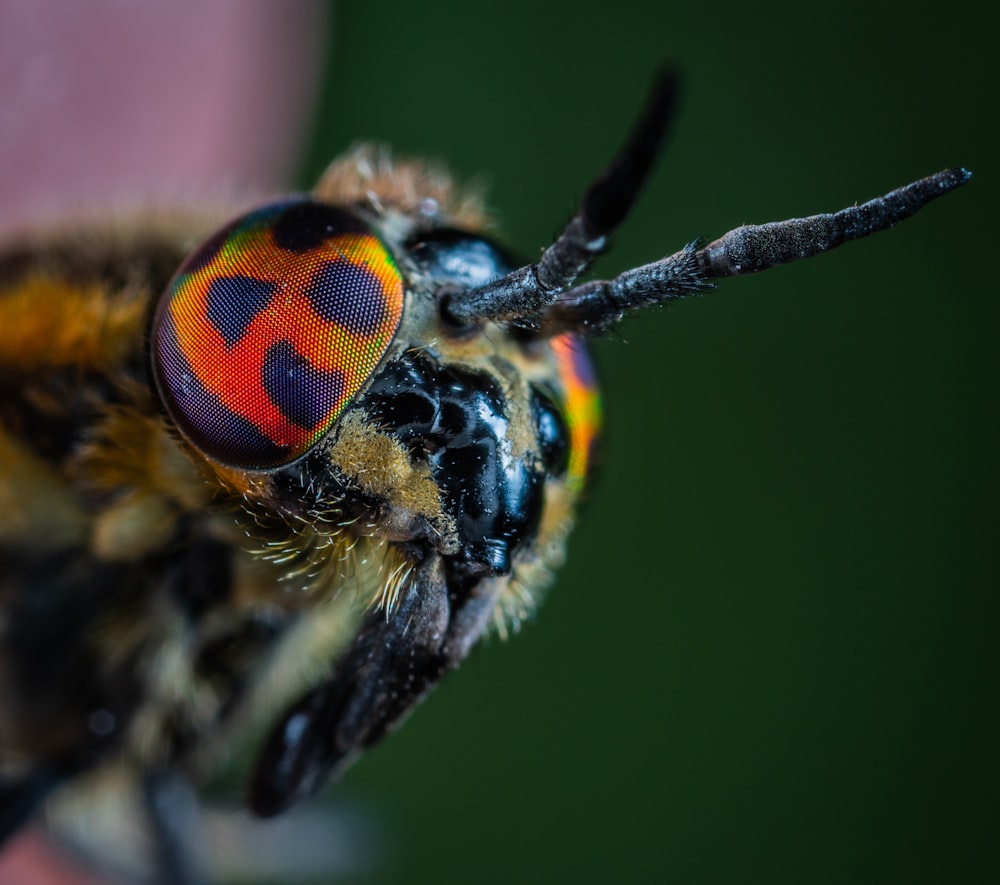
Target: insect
(296, 471)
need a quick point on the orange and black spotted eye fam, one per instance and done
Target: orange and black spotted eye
(270, 328)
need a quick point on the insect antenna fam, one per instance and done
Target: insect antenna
(749, 249)
(528, 290)
(542, 300)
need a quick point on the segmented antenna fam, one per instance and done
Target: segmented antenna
(605, 205)
(542, 297)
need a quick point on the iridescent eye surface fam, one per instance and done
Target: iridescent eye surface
(271, 327)
(583, 405)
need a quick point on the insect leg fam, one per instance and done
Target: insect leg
(596, 305)
(391, 665)
(606, 203)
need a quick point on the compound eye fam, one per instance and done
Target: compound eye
(270, 328)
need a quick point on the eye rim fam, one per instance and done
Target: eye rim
(245, 447)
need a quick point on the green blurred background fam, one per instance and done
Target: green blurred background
(772, 655)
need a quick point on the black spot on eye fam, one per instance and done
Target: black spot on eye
(348, 294)
(304, 226)
(233, 302)
(304, 394)
(202, 417)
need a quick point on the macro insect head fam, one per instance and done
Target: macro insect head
(303, 467)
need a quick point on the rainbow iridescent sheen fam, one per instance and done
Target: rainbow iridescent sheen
(271, 327)
(582, 405)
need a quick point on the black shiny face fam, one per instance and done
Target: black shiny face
(457, 419)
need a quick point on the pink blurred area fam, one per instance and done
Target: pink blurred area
(31, 860)
(112, 103)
